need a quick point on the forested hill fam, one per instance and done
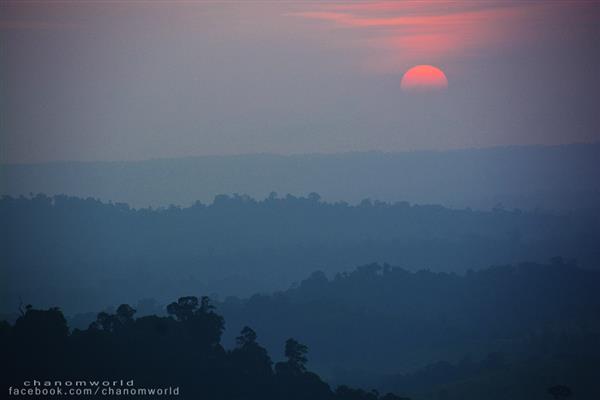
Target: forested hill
(561, 177)
(179, 356)
(240, 246)
(385, 319)
(501, 332)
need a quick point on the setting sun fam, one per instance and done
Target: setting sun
(424, 78)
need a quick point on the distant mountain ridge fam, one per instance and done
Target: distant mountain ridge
(563, 177)
(238, 245)
(381, 312)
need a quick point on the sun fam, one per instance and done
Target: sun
(424, 78)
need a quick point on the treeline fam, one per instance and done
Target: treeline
(501, 332)
(552, 375)
(237, 245)
(181, 350)
(184, 348)
(386, 320)
(552, 177)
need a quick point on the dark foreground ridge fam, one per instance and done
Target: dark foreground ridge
(181, 351)
(526, 333)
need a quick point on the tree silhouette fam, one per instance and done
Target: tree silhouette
(104, 321)
(112, 322)
(187, 351)
(253, 366)
(184, 308)
(205, 305)
(33, 323)
(199, 318)
(125, 313)
(247, 337)
(296, 357)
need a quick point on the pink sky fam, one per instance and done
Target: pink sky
(406, 33)
(127, 80)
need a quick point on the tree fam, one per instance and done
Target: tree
(314, 197)
(125, 313)
(184, 308)
(251, 359)
(112, 322)
(51, 322)
(247, 337)
(205, 305)
(296, 354)
(163, 349)
(104, 321)
(199, 319)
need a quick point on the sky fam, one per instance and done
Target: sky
(134, 80)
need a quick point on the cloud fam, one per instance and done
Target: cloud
(404, 33)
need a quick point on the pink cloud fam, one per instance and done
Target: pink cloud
(405, 33)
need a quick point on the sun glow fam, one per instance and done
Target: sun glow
(424, 78)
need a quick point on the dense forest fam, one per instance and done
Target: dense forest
(182, 350)
(450, 312)
(500, 332)
(431, 316)
(240, 246)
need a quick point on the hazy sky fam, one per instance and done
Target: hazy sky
(136, 80)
